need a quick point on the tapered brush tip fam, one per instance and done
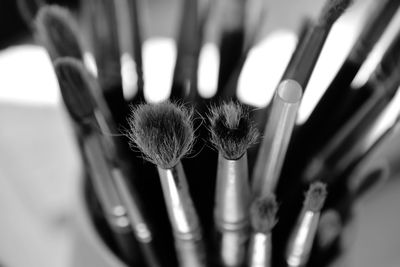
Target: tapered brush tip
(332, 10)
(163, 132)
(232, 131)
(263, 214)
(315, 197)
(75, 81)
(58, 32)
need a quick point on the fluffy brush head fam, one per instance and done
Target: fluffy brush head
(263, 214)
(75, 83)
(315, 197)
(232, 132)
(332, 10)
(58, 32)
(163, 132)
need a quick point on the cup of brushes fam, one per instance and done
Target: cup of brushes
(189, 181)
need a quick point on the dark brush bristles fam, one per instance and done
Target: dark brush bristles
(232, 131)
(315, 197)
(332, 10)
(163, 132)
(58, 32)
(75, 82)
(263, 214)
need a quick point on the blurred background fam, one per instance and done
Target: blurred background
(39, 160)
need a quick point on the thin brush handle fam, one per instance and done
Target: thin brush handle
(183, 217)
(302, 62)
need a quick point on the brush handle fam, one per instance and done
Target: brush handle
(302, 62)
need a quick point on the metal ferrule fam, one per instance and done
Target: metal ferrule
(233, 247)
(182, 214)
(260, 250)
(232, 193)
(114, 209)
(302, 238)
(138, 224)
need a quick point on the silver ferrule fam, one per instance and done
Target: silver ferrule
(113, 207)
(232, 193)
(260, 250)
(138, 224)
(278, 131)
(302, 238)
(233, 247)
(182, 214)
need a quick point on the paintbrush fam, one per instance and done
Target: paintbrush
(263, 219)
(302, 237)
(28, 10)
(347, 145)
(232, 133)
(164, 133)
(184, 83)
(326, 118)
(82, 108)
(277, 134)
(302, 62)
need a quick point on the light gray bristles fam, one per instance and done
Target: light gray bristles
(232, 132)
(75, 82)
(163, 132)
(263, 214)
(332, 10)
(58, 32)
(315, 197)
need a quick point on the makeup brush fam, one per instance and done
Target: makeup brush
(232, 133)
(347, 144)
(326, 118)
(82, 108)
(164, 133)
(263, 219)
(302, 62)
(232, 39)
(277, 134)
(302, 237)
(184, 83)
(58, 32)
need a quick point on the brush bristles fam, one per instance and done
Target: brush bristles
(332, 10)
(315, 197)
(263, 214)
(75, 82)
(232, 132)
(163, 132)
(58, 32)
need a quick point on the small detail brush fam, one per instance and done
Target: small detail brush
(232, 133)
(263, 219)
(302, 63)
(302, 237)
(164, 133)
